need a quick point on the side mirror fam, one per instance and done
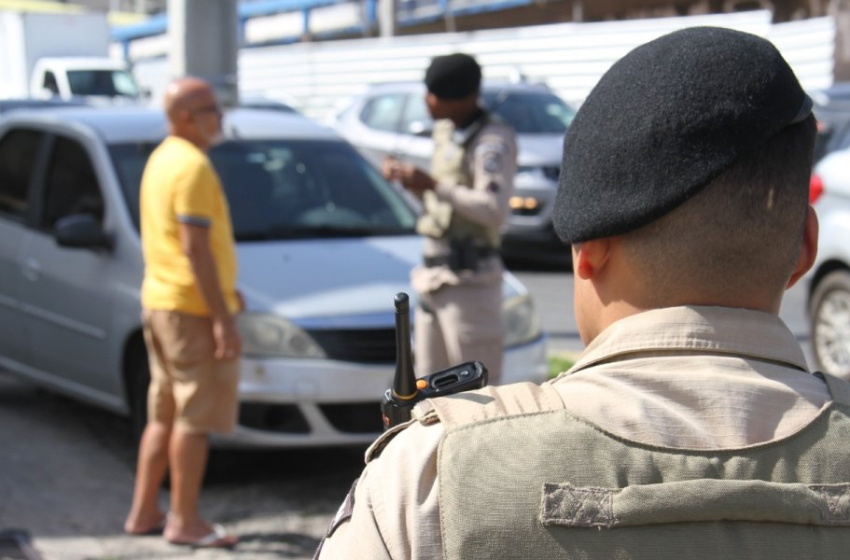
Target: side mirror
(81, 231)
(419, 128)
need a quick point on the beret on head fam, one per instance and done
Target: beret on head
(453, 76)
(666, 120)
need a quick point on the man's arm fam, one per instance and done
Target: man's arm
(195, 240)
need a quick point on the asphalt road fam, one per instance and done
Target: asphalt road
(66, 469)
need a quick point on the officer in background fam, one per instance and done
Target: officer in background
(690, 427)
(466, 203)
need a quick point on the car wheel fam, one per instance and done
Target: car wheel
(830, 323)
(140, 379)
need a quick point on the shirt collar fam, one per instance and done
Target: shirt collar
(720, 330)
(461, 136)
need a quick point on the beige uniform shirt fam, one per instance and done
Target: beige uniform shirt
(684, 377)
(488, 159)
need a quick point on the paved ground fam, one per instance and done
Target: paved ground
(66, 475)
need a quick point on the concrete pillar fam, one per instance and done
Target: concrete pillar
(387, 17)
(204, 42)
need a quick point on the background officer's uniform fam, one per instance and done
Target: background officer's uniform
(459, 284)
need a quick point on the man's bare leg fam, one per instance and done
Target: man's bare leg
(145, 515)
(188, 453)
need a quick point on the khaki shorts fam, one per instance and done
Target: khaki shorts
(189, 388)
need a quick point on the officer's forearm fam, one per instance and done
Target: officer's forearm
(479, 206)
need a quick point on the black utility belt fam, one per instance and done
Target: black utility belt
(461, 257)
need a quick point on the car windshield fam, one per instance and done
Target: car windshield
(111, 83)
(290, 189)
(530, 112)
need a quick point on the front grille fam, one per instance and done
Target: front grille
(281, 418)
(354, 418)
(369, 346)
(552, 172)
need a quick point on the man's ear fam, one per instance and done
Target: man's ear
(590, 257)
(809, 250)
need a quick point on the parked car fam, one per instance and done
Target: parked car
(829, 281)
(265, 103)
(832, 109)
(392, 119)
(7, 105)
(324, 244)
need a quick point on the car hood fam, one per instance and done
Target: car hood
(539, 149)
(321, 282)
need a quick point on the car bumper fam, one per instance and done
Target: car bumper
(531, 212)
(321, 403)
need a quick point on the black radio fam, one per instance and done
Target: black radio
(407, 390)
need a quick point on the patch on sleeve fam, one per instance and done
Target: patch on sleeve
(492, 153)
(344, 512)
(493, 187)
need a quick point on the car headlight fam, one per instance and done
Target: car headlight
(269, 335)
(522, 324)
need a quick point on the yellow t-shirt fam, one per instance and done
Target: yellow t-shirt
(180, 185)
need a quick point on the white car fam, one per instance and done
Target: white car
(829, 281)
(324, 244)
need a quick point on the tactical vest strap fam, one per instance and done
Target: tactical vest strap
(838, 388)
(491, 402)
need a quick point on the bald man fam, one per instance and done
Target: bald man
(189, 299)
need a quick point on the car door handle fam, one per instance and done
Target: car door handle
(32, 270)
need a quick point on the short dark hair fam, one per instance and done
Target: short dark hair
(453, 76)
(744, 230)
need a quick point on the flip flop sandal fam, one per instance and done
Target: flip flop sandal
(217, 538)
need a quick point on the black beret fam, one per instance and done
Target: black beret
(664, 121)
(453, 76)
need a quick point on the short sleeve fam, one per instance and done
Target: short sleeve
(194, 198)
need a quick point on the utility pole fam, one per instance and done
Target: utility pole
(204, 42)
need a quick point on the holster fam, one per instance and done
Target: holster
(464, 254)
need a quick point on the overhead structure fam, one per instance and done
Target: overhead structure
(204, 39)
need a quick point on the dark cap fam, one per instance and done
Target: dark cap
(664, 121)
(453, 76)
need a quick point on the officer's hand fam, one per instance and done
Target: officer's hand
(389, 168)
(416, 180)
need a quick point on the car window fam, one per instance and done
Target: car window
(383, 112)
(530, 113)
(50, 83)
(416, 119)
(18, 153)
(72, 186)
(110, 83)
(279, 189)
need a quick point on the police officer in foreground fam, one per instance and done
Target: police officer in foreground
(690, 427)
(466, 203)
